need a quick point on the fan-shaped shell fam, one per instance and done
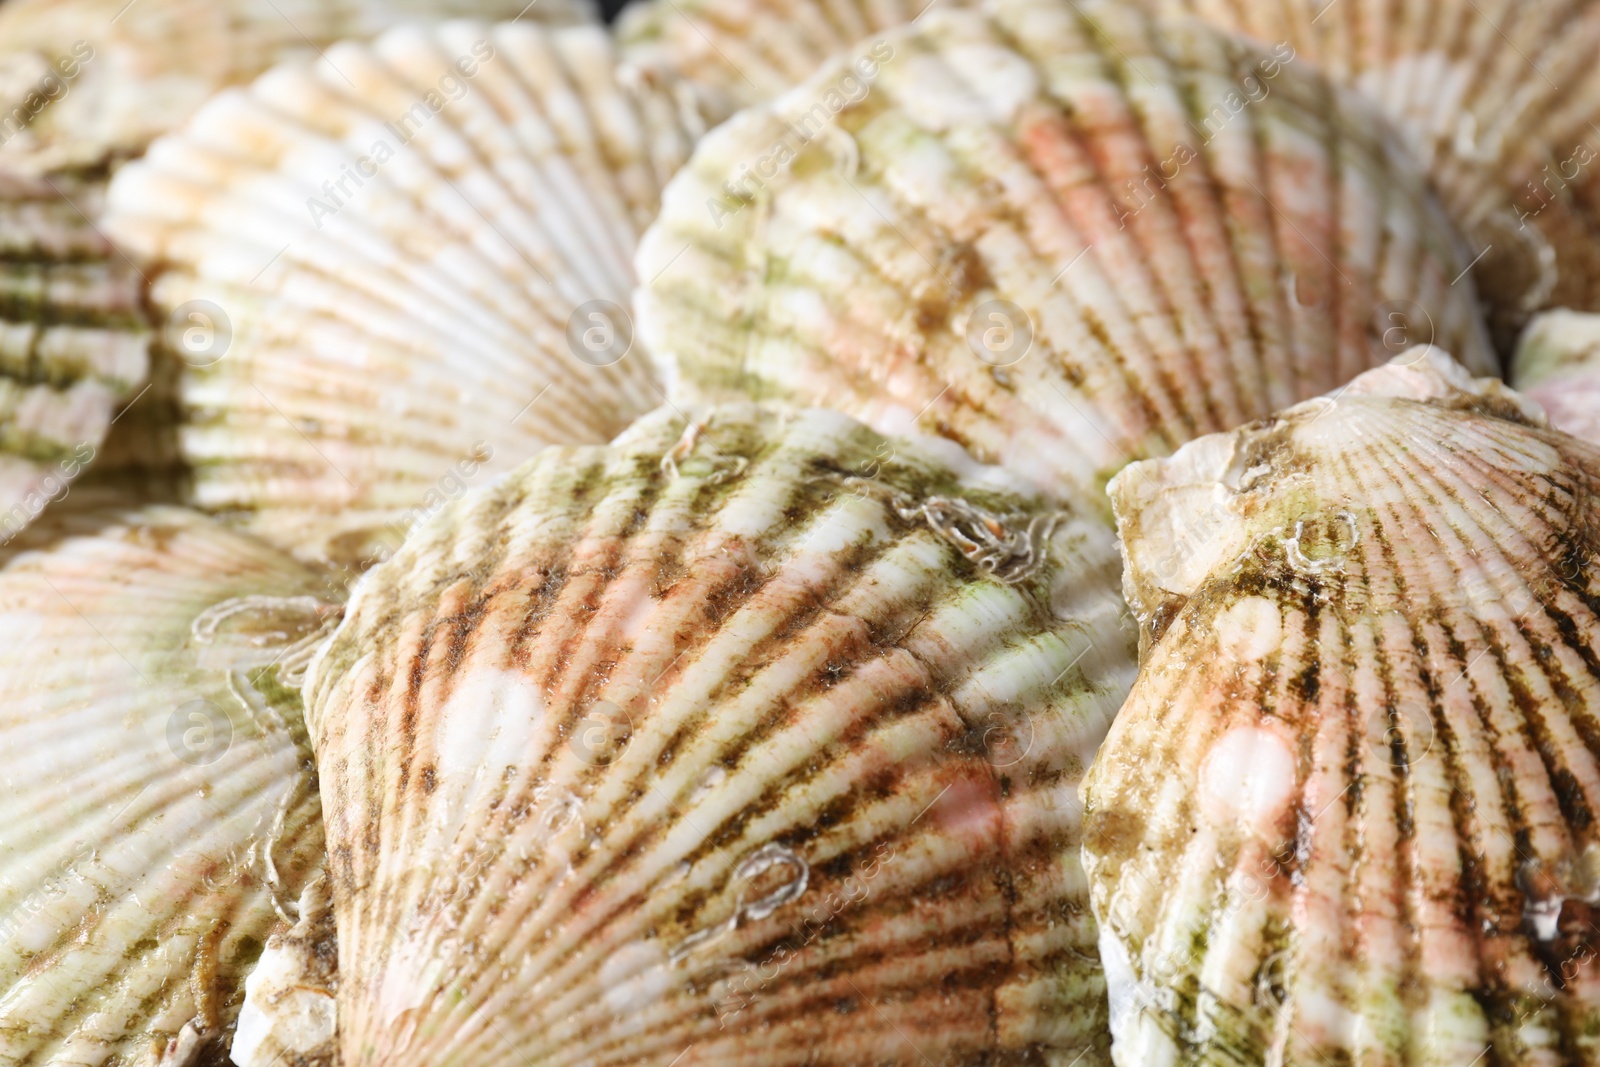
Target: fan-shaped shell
(1015, 230)
(1499, 98)
(393, 272)
(83, 82)
(1558, 364)
(750, 740)
(157, 809)
(738, 53)
(73, 340)
(1347, 814)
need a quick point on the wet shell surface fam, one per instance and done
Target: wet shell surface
(1499, 98)
(738, 53)
(290, 1014)
(158, 811)
(1348, 813)
(74, 344)
(1013, 230)
(85, 82)
(1557, 363)
(400, 270)
(748, 740)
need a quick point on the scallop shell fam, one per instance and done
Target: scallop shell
(1347, 814)
(158, 812)
(1499, 98)
(371, 305)
(738, 53)
(83, 82)
(73, 340)
(1557, 364)
(983, 244)
(753, 739)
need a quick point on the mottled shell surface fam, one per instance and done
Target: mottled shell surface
(747, 740)
(1499, 98)
(1557, 364)
(158, 808)
(74, 344)
(738, 53)
(290, 1016)
(1348, 813)
(1015, 230)
(85, 82)
(393, 272)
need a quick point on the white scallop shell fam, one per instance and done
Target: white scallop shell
(386, 276)
(83, 82)
(1557, 363)
(753, 739)
(158, 811)
(1017, 230)
(1348, 813)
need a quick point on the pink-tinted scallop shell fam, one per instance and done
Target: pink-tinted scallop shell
(1500, 99)
(751, 739)
(1348, 813)
(1016, 229)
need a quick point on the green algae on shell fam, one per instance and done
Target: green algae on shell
(447, 299)
(1347, 813)
(1016, 229)
(751, 739)
(158, 807)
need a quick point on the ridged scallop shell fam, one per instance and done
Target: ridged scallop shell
(1499, 97)
(158, 811)
(74, 344)
(737, 53)
(982, 244)
(84, 82)
(1557, 364)
(1348, 813)
(350, 358)
(748, 740)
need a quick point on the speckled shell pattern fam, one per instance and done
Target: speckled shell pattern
(1347, 814)
(158, 805)
(74, 344)
(395, 271)
(1500, 99)
(739, 53)
(1557, 364)
(753, 739)
(94, 81)
(1019, 231)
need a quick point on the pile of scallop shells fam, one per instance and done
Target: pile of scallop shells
(799, 533)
